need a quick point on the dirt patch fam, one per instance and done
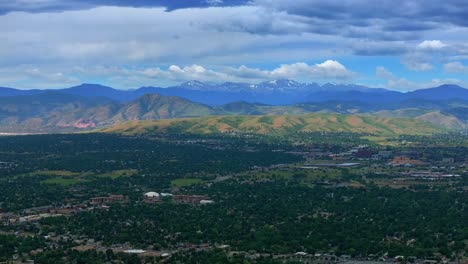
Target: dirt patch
(279, 121)
(354, 121)
(224, 127)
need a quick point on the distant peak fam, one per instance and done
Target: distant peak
(450, 86)
(330, 84)
(283, 82)
(90, 85)
(193, 83)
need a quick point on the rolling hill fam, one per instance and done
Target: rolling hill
(279, 125)
(155, 106)
(59, 112)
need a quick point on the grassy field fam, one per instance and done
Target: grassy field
(117, 174)
(182, 182)
(67, 178)
(65, 181)
(54, 173)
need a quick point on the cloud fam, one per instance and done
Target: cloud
(329, 70)
(379, 48)
(27, 76)
(39, 6)
(427, 53)
(214, 2)
(383, 73)
(418, 61)
(151, 36)
(432, 44)
(455, 67)
(408, 15)
(363, 19)
(193, 72)
(55, 36)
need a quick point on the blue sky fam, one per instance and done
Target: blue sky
(400, 45)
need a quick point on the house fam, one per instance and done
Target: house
(9, 218)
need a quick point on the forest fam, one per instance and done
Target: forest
(265, 207)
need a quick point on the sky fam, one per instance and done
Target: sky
(394, 44)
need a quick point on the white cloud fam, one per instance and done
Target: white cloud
(455, 67)
(124, 77)
(418, 65)
(327, 70)
(214, 2)
(193, 72)
(432, 44)
(26, 76)
(421, 60)
(383, 73)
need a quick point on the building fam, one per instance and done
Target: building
(109, 199)
(364, 153)
(151, 194)
(405, 161)
(331, 165)
(383, 155)
(191, 199)
(152, 198)
(206, 201)
(429, 175)
(9, 218)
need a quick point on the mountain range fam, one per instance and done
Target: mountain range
(90, 106)
(279, 92)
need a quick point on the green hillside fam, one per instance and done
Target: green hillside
(447, 119)
(280, 125)
(58, 112)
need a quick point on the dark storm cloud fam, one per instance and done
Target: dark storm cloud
(64, 5)
(318, 16)
(403, 25)
(414, 13)
(365, 48)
